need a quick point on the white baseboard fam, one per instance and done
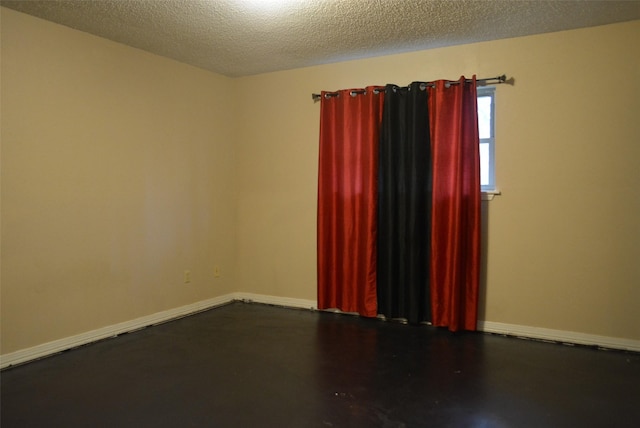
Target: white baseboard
(275, 300)
(561, 336)
(60, 345)
(569, 337)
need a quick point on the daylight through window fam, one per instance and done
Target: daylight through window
(486, 128)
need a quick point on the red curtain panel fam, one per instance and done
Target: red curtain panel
(347, 202)
(455, 226)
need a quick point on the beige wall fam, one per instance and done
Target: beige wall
(117, 175)
(121, 169)
(563, 239)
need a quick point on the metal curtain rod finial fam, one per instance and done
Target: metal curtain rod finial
(481, 82)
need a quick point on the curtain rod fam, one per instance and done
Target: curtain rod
(481, 82)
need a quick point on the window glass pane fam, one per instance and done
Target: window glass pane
(484, 164)
(484, 117)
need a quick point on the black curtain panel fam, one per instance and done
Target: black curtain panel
(404, 205)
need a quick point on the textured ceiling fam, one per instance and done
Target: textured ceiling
(245, 37)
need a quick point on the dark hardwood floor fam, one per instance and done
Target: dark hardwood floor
(251, 365)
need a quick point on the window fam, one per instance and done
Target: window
(486, 128)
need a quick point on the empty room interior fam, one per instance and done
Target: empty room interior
(141, 190)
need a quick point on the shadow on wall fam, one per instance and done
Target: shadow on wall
(484, 249)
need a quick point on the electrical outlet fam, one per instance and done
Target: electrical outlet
(187, 276)
(216, 271)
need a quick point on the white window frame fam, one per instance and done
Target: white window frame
(490, 189)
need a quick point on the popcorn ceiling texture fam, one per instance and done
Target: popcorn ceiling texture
(245, 37)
